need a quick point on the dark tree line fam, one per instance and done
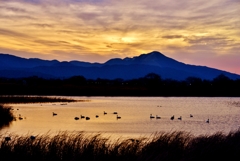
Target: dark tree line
(150, 85)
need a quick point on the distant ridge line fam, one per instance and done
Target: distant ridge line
(127, 68)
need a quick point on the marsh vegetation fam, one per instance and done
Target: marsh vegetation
(13, 99)
(6, 115)
(65, 146)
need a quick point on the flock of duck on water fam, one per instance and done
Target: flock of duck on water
(104, 113)
(88, 118)
(8, 138)
(118, 117)
(173, 117)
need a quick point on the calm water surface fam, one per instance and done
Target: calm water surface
(224, 114)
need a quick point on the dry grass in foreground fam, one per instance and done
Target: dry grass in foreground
(175, 146)
(33, 99)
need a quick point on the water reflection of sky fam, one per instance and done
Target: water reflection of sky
(135, 116)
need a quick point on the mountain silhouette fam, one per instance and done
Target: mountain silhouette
(127, 68)
(154, 59)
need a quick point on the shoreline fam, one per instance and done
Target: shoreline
(16, 99)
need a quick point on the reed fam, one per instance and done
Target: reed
(33, 99)
(66, 146)
(166, 146)
(6, 115)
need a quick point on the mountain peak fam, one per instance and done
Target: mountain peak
(152, 55)
(155, 53)
(153, 58)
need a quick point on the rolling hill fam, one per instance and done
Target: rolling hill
(128, 68)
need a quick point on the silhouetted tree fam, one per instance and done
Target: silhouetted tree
(149, 85)
(221, 78)
(194, 81)
(76, 80)
(153, 76)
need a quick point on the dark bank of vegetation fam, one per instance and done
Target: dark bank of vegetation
(6, 115)
(33, 99)
(150, 85)
(174, 146)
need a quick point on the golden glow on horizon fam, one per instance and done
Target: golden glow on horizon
(98, 30)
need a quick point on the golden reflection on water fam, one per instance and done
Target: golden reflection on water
(135, 116)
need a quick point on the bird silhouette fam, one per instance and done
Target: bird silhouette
(158, 117)
(118, 117)
(207, 121)
(151, 116)
(20, 117)
(7, 138)
(32, 137)
(82, 117)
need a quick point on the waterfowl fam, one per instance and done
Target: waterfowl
(118, 117)
(76, 118)
(32, 137)
(151, 116)
(54, 114)
(172, 118)
(87, 118)
(7, 138)
(207, 121)
(104, 112)
(20, 117)
(158, 117)
(82, 117)
(97, 116)
(191, 115)
(115, 113)
(180, 118)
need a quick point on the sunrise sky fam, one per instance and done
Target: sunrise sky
(200, 32)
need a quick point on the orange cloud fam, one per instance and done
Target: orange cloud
(97, 30)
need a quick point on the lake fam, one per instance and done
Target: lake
(223, 113)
